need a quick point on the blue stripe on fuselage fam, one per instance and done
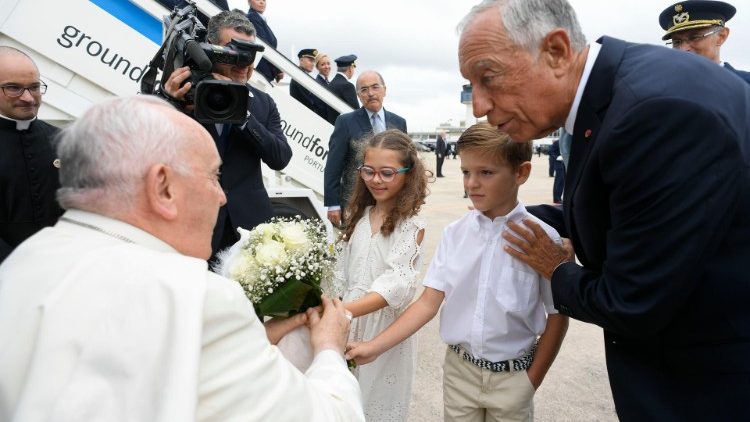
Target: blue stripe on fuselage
(134, 17)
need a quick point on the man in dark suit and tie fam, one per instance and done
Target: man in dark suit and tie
(656, 202)
(699, 27)
(242, 147)
(340, 84)
(349, 131)
(264, 32)
(440, 151)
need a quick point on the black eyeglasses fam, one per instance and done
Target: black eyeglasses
(15, 91)
(692, 39)
(386, 173)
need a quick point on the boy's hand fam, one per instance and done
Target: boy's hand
(361, 353)
(535, 248)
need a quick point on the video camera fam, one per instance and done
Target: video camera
(215, 101)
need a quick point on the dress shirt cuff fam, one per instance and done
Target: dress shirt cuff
(334, 208)
(329, 356)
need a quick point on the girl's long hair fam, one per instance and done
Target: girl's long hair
(408, 200)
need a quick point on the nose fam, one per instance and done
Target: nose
(222, 197)
(481, 102)
(26, 95)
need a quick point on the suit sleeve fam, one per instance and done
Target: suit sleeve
(672, 185)
(552, 215)
(268, 140)
(338, 147)
(243, 377)
(349, 94)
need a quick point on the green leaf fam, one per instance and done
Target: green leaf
(290, 298)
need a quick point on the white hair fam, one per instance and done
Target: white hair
(527, 22)
(106, 153)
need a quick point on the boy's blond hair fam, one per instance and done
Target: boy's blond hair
(485, 138)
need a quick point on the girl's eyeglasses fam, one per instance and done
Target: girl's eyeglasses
(386, 173)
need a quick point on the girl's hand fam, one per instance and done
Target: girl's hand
(361, 352)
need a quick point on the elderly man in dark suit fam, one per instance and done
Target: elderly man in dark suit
(242, 147)
(656, 203)
(348, 132)
(699, 27)
(264, 32)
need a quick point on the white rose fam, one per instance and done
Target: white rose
(294, 237)
(266, 230)
(270, 252)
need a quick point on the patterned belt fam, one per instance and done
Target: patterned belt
(521, 364)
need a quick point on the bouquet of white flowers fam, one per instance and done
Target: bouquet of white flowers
(280, 265)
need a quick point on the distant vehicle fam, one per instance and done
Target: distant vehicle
(421, 147)
(543, 144)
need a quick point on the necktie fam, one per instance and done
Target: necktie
(377, 123)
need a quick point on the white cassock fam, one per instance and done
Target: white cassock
(94, 328)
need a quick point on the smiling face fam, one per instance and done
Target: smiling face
(519, 93)
(324, 66)
(491, 183)
(384, 192)
(235, 73)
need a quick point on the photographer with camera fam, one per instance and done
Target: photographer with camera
(243, 146)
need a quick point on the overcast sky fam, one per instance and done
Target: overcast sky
(414, 44)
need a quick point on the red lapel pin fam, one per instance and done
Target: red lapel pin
(587, 134)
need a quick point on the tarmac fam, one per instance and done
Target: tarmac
(576, 388)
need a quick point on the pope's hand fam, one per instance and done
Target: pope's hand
(331, 329)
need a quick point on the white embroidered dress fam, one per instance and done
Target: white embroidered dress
(388, 265)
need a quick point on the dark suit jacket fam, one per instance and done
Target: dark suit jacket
(242, 152)
(657, 205)
(324, 110)
(350, 129)
(299, 93)
(440, 147)
(265, 33)
(344, 89)
(741, 73)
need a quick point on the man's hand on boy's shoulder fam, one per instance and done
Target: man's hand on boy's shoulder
(533, 246)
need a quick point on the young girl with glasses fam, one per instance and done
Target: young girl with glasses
(378, 263)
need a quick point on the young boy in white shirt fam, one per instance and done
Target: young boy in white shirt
(498, 319)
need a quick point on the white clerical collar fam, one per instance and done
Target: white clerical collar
(117, 229)
(590, 59)
(20, 124)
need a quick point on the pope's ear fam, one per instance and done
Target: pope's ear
(160, 191)
(556, 50)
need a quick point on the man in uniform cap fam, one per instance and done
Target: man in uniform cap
(698, 26)
(307, 63)
(340, 84)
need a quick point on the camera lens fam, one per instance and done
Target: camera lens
(220, 101)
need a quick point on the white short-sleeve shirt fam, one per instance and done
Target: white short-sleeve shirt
(495, 305)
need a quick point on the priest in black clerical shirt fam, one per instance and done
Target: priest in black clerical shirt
(28, 162)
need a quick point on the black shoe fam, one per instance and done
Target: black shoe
(440, 175)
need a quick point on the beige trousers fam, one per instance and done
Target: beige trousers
(473, 394)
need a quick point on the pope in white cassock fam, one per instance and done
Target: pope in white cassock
(112, 315)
